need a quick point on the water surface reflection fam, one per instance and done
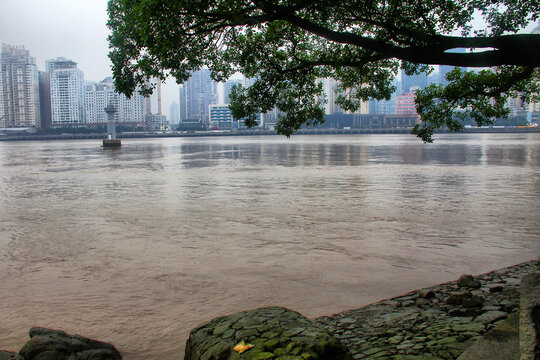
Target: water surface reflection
(140, 244)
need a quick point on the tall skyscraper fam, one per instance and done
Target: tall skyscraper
(196, 95)
(67, 92)
(19, 88)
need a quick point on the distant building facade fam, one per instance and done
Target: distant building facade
(221, 117)
(99, 95)
(45, 99)
(331, 93)
(174, 115)
(385, 121)
(405, 104)
(196, 96)
(19, 89)
(156, 122)
(409, 83)
(227, 89)
(385, 107)
(67, 92)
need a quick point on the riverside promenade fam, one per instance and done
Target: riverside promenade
(434, 323)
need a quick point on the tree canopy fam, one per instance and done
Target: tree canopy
(288, 46)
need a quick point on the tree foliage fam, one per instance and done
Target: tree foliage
(288, 46)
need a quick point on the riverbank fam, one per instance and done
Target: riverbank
(434, 323)
(256, 132)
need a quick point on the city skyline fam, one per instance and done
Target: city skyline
(73, 29)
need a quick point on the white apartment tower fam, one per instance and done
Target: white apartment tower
(330, 90)
(67, 92)
(99, 95)
(19, 88)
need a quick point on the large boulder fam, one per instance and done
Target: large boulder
(48, 344)
(500, 343)
(468, 281)
(275, 333)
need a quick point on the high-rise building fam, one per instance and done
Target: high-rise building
(19, 88)
(99, 95)
(386, 107)
(228, 88)
(96, 97)
(221, 118)
(409, 83)
(67, 92)
(329, 86)
(45, 98)
(174, 114)
(59, 63)
(332, 92)
(196, 95)
(516, 107)
(156, 122)
(445, 69)
(182, 106)
(405, 104)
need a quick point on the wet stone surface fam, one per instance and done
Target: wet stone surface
(435, 323)
(275, 333)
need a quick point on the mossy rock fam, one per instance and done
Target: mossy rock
(276, 333)
(49, 344)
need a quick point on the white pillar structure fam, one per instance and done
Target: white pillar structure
(111, 124)
(111, 140)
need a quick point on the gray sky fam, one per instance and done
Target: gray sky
(75, 29)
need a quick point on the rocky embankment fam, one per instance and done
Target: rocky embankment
(433, 323)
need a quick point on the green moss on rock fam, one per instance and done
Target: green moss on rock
(275, 333)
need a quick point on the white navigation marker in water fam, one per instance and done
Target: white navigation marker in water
(111, 140)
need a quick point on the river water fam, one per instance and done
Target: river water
(137, 246)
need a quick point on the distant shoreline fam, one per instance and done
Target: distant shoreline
(37, 137)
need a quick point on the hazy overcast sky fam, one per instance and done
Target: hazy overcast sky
(75, 29)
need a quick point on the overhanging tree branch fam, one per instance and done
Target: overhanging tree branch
(288, 45)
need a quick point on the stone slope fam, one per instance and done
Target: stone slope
(434, 323)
